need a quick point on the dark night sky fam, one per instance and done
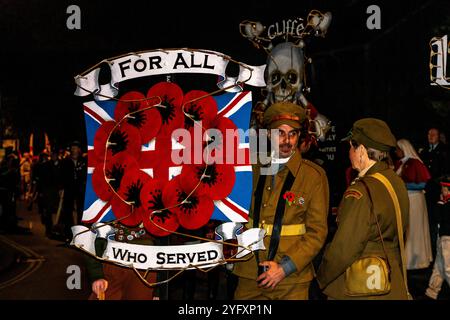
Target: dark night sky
(357, 72)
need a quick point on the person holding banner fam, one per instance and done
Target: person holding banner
(290, 201)
(366, 258)
(113, 282)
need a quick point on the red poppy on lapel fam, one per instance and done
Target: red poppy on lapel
(289, 197)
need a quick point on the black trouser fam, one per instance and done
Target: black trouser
(47, 205)
(71, 202)
(432, 196)
(8, 219)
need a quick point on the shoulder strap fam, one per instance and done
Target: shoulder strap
(394, 197)
(376, 220)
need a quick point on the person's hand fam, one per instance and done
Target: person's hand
(99, 287)
(273, 276)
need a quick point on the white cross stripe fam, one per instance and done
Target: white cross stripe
(99, 111)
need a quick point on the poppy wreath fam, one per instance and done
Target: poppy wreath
(157, 202)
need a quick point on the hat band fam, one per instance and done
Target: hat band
(445, 184)
(285, 117)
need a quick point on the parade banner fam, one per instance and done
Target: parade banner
(181, 257)
(167, 61)
(163, 159)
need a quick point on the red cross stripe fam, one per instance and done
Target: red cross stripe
(159, 159)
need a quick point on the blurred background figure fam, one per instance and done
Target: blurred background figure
(46, 184)
(435, 157)
(73, 175)
(25, 174)
(415, 174)
(441, 268)
(9, 192)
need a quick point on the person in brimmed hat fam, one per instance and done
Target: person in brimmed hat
(441, 268)
(286, 119)
(291, 204)
(366, 203)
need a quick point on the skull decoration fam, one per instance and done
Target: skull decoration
(285, 70)
(284, 73)
(284, 77)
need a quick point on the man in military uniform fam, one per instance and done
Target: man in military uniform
(291, 204)
(357, 235)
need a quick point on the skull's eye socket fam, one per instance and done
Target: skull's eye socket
(275, 77)
(291, 77)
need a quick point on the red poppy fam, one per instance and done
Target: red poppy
(125, 138)
(228, 140)
(171, 99)
(195, 212)
(148, 122)
(203, 108)
(156, 219)
(289, 197)
(115, 169)
(215, 180)
(130, 190)
(204, 111)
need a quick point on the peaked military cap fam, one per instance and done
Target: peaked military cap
(284, 113)
(372, 133)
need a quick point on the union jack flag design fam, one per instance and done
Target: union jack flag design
(235, 207)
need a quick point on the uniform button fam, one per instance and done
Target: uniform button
(265, 205)
(269, 188)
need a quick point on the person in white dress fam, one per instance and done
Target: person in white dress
(415, 174)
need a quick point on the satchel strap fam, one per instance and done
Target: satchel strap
(394, 197)
(376, 219)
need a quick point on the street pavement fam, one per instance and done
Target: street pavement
(35, 267)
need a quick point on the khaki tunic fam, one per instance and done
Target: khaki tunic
(357, 234)
(310, 185)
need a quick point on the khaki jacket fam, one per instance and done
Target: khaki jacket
(310, 208)
(357, 234)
